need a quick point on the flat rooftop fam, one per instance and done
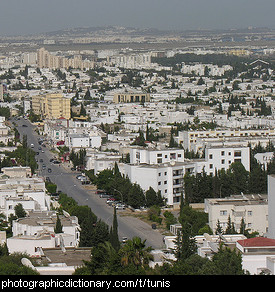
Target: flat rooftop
(71, 257)
(240, 200)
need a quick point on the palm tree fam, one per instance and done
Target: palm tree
(134, 252)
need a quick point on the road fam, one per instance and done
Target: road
(65, 179)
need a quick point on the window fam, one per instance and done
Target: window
(223, 212)
(165, 182)
(222, 153)
(211, 166)
(249, 213)
(159, 173)
(223, 161)
(237, 153)
(210, 156)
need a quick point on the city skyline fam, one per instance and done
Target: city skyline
(34, 17)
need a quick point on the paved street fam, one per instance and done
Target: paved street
(66, 181)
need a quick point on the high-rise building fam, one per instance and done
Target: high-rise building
(51, 106)
(1, 92)
(48, 60)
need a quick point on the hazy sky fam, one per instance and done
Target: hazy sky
(33, 16)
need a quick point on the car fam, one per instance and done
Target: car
(104, 195)
(44, 166)
(124, 239)
(49, 170)
(110, 200)
(120, 206)
(24, 126)
(41, 160)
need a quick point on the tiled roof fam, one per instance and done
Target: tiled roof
(257, 242)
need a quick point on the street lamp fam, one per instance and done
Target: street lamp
(120, 194)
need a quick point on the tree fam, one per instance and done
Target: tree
(19, 211)
(87, 95)
(114, 233)
(228, 262)
(153, 198)
(230, 229)
(218, 228)
(58, 226)
(136, 198)
(136, 253)
(185, 244)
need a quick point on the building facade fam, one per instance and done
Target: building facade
(253, 209)
(52, 106)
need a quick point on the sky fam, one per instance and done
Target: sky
(21, 17)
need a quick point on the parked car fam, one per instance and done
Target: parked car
(110, 200)
(120, 206)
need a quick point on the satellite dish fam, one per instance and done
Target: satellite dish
(26, 262)
(66, 214)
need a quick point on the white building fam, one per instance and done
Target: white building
(39, 222)
(218, 158)
(271, 206)
(80, 141)
(194, 140)
(258, 255)
(253, 209)
(164, 177)
(140, 155)
(31, 244)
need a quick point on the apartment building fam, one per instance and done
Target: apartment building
(218, 158)
(1, 92)
(139, 155)
(190, 139)
(165, 177)
(131, 96)
(253, 209)
(131, 60)
(51, 106)
(271, 205)
(47, 60)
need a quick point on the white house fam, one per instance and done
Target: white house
(30, 192)
(258, 255)
(38, 222)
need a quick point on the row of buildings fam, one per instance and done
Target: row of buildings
(45, 59)
(258, 253)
